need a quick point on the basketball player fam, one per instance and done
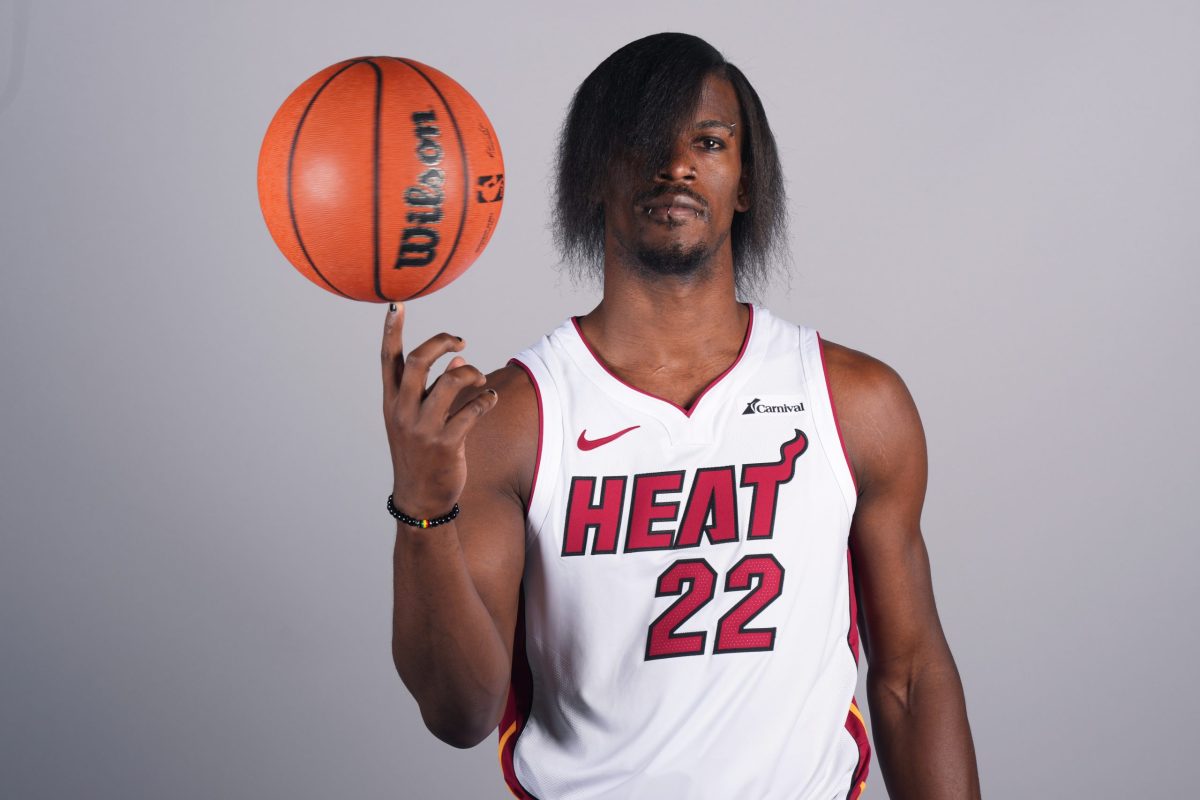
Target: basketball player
(641, 549)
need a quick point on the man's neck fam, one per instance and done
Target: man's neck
(667, 336)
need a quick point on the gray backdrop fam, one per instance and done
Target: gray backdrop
(1001, 200)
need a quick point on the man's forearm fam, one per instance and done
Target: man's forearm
(444, 642)
(922, 737)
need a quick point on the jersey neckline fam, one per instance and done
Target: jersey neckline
(695, 404)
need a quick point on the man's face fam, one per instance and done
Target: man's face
(673, 224)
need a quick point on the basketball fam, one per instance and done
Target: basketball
(380, 179)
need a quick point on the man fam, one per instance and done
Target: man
(664, 540)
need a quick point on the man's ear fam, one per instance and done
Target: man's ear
(743, 195)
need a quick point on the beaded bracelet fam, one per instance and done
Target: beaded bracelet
(420, 523)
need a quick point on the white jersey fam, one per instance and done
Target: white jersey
(687, 625)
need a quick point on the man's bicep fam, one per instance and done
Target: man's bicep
(887, 444)
(501, 451)
(492, 534)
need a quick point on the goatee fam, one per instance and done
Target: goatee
(674, 260)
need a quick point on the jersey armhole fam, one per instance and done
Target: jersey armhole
(812, 350)
(837, 426)
(549, 445)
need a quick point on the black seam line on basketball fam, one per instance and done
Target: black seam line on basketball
(375, 200)
(462, 149)
(291, 161)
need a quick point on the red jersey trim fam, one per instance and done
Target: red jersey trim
(687, 412)
(858, 729)
(833, 408)
(537, 464)
(517, 708)
(855, 725)
(520, 689)
(852, 636)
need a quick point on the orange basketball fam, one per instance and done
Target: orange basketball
(380, 179)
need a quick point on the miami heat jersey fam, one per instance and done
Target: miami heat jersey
(687, 625)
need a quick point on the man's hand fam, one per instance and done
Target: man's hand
(427, 429)
(457, 586)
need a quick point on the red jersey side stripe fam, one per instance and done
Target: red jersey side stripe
(516, 711)
(855, 724)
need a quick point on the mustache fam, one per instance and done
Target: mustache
(664, 188)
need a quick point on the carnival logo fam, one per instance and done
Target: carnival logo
(757, 406)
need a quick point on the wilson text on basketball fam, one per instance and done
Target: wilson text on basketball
(418, 244)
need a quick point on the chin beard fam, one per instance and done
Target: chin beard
(675, 260)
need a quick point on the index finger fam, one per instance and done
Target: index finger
(392, 354)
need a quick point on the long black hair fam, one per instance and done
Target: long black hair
(627, 113)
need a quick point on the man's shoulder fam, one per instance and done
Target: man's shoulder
(516, 413)
(857, 376)
(875, 410)
(502, 447)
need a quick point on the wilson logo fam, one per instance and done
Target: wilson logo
(757, 406)
(418, 245)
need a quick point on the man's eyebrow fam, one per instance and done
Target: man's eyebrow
(716, 123)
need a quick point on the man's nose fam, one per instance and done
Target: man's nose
(679, 166)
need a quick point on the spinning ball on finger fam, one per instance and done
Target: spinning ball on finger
(381, 179)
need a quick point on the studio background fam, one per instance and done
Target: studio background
(1000, 200)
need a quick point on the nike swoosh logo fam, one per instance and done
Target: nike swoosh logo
(591, 444)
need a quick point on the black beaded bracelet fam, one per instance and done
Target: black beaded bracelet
(420, 523)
